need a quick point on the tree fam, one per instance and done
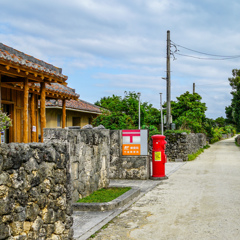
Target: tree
(220, 121)
(122, 113)
(229, 115)
(114, 116)
(188, 112)
(233, 111)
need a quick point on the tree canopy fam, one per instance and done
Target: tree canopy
(122, 113)
(233, 111)
(188, 112)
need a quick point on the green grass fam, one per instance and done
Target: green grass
(104, 195)
(193, 156)
(104, 227)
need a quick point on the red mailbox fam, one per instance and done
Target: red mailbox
(158, 157)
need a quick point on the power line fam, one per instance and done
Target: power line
(219, 57)
(225, 58)
(211, 83)
(201, 91)
(214, 55)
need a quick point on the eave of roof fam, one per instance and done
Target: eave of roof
(56, 89)
(18, 61)
(53, 91)
(78, 105)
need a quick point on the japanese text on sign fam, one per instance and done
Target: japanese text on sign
(131, 149)
(158, 156)
(134, 142)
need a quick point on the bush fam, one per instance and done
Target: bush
(5, 121)
(168, 132)
(216, 135)
(152, 130)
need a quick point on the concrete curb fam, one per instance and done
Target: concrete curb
(96, 223)
(116, 203)
(159, 178)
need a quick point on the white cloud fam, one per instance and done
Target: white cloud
(121, 45)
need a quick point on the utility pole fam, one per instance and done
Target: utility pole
(161, 113)
(139, 112)
(168, 82)
(193, 88)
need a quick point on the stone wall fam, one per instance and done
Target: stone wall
(179, 145)
(89, 151)
(96, 157)
(237, 139)
(126, 167)
(225, 136)
(35, 195)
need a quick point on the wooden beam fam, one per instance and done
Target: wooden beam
(43, 108)
(25, 112)
(13, 79)
(63, 113)
(7, 102)
(12, 71)
(33, 119)
(36, 76)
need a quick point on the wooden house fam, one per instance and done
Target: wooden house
(25, 80)
(78, 113)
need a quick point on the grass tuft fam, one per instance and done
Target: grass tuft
(104, 195)
(193, 156)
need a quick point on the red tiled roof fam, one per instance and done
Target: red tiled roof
(75, 104)
(58, 88)
(14, 56)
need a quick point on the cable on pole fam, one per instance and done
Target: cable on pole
(217, 57)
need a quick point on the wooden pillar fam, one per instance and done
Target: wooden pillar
(25, 111)
(0, 92)
(33, 119)
(63, 113)
(42, 108)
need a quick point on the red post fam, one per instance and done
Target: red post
(158, 157)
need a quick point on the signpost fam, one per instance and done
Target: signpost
(135, 142)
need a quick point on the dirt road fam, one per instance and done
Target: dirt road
(200, 201)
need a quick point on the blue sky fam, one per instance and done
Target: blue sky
(107, 47)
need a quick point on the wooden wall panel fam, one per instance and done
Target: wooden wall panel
(19, 128)
(19, 99)
(14, 96)
(6, 94)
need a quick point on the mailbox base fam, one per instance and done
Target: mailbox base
(158, 178)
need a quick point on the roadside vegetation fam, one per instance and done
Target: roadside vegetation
(188, 112)
(233, 111)
(193, 156)
(122, 113)
(104, 227)
(237, 141)
(168, 132)
(104, 195)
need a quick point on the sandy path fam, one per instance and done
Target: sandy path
(200, 201)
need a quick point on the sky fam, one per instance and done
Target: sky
(107, 47)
